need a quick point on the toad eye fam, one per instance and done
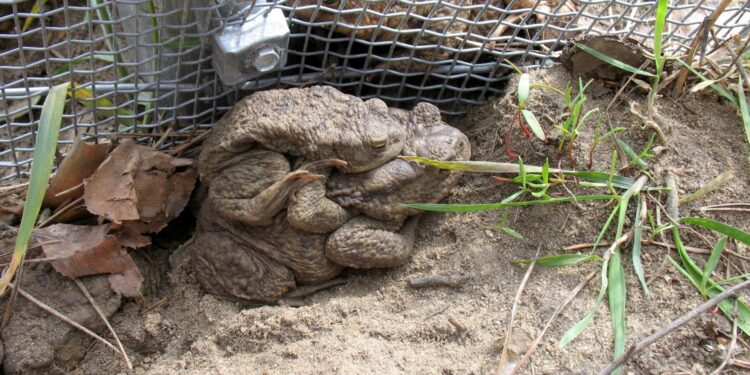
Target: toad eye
(331, 2)
(378, 143)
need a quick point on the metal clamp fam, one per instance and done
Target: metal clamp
(253, 46)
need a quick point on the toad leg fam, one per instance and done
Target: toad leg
(364, 242)
(237, 271)
(309, 209)
(254, 189)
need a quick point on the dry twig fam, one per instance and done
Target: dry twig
(557, 312)
(504, 354)
(64, 318)
(671, 327)
(104, 318)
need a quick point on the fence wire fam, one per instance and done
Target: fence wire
(143, 68)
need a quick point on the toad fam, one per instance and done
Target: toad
(319, 225)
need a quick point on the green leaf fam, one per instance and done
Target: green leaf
(36, 9)
(533, 123)
(713, 260)
(523, 91)
(661, 20)
(511, 232)
(41, 168)
(743, 107)
(720, 227)
(496, 167)
(579, 327)
(561, 260)
(719, 90)
(102, 105)
(522, 172)
(184, 43)
(612, 61)
(631, 154)
(442, 207)
(617, 296)
(695, 276)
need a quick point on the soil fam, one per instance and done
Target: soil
(377, 323)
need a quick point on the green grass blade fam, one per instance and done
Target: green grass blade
(533, 123)
(636, 254)
(509, 231)
(713, 261)
(695, 276)
(443, 207)
(660, 22)
(560, 260)
(103, 106)
(617, 295)
(41, 167)
(720, 227)
(719, 90)
(579, 327)
(36, 9)
(612, 61)
(743, 107)
(631, 154)
(504, 168)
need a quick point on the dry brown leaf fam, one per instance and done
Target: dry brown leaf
(127, 283)
(582, 64)
(90, 250)
(83, 250)
(83, 159)
(140, 187)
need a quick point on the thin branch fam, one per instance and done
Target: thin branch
(64, 318)
(732, 343)
(104, 318)
(671, 327)
(557, 312)
(59, 213)
(504, 354)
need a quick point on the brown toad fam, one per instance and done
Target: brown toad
(242, 163)
(260, 260)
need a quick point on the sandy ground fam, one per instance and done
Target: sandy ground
(376, 323)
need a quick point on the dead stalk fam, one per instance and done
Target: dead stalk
(671, 327)
(104, 318)
(64, 318)
(516, 300)
(571, 296)
(732, 343)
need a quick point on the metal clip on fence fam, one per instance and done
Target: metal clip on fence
(255, 45)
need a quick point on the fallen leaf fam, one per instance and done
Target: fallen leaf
(90, 250)
(140, 188)
(582, 64)
(83, 159)
(127, 283)
(83, 250)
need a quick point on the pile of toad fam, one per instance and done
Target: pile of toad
(304, 182)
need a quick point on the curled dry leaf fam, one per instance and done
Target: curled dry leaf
(140, 188)
(582, 64)
(89, 250)
(83, 159)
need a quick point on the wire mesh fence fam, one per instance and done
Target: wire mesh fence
(157, 69)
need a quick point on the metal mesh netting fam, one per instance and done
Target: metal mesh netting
(143, 68)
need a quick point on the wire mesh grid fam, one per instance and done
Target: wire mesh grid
(142, 68)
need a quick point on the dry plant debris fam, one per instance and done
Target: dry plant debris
(89, 250)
